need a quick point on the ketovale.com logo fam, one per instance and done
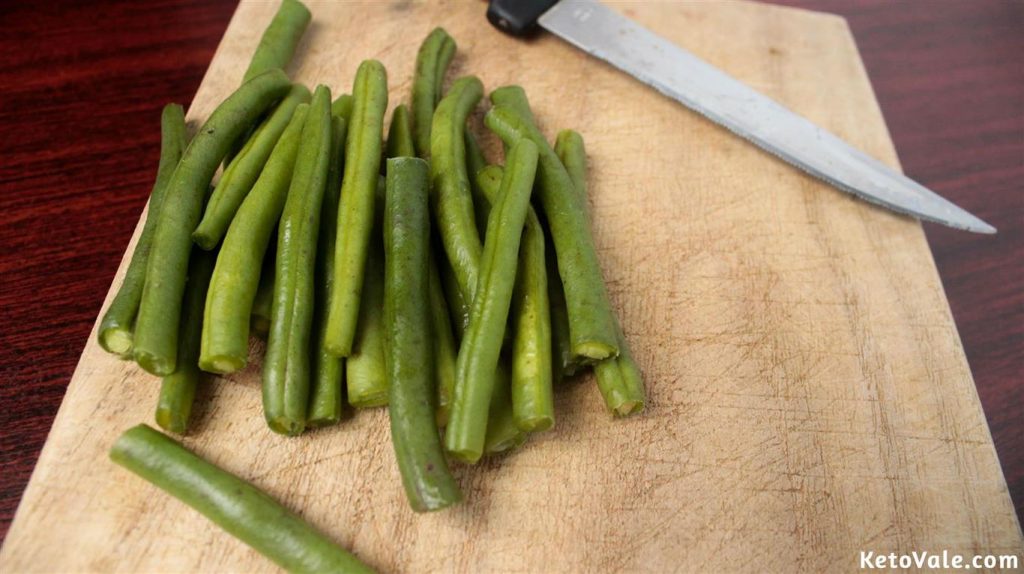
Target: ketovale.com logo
(945, 561)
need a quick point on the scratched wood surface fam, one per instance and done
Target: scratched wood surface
(809, 396)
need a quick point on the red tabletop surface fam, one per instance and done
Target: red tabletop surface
(82, 85)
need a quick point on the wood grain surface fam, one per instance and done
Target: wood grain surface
(810, 397)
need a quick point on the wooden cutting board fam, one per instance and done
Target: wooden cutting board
(809, 396)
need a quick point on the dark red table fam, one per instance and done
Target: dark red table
(81, 89)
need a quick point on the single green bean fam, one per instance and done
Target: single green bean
(432, 60)
(235, 505)
(532, 396)
(428, 483)
(243, 171)
(569, 149)
(365, 369)
(591, 321)
(475, 163)
(400, 134)
(259, 320)
(481, 346)
(325, 404)
(503, 434)
(286, 364)
(458, 307)
(236, 278)
(116, 328)
(178, 390)
(355, 214)
(446, 350)
(452, 199)
(156, 330)
(564, 363)
(618, 379)
(342, 107)
(279, 40)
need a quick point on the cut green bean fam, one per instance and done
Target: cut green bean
(178, 390)
(116, 331)
(235, 505)
(475, 163)
(458, 307)
(325, 404)
(156, 332)
(446, 350)
(532, 398)
(503, 434)
(400, 134)
(279, 40)
(428, 483)
(481, 346)
(591, 322)
(365, 368)
(243, 171)
(619, 378)
(286, 366)
(342, 107)
(237, 276)
(355, 214)
(452, 199)
(432, 60)
(259, 319)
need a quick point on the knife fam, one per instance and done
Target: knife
(682, 76)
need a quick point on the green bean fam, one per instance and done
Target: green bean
(532, 397)
(400, 134)
(236, 278)
(481, 346)
(452, 200)
(286, 364)
(591, 322)
(342, 107)
(503, 434)
(428, 483)
(279, 40)
(116, 328)
(325, 405)
(618, 379)
(244, 170)
(432, 60)
(475, 162)
(156, 331)
(458, 307)
(564, 363)
(446, 350)
(259, 320)
(235, 505)
(365, 368)
(355, 214)
(178, 390)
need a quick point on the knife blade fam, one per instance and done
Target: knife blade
(682, 76)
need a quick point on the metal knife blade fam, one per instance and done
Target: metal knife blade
(682, 76)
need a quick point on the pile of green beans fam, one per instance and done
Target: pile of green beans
(452, 290)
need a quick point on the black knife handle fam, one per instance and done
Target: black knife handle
(517, 17)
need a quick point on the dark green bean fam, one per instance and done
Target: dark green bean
(618, 379)
(243, 171)
(532, 397)
(236, 278)
(286, 364)
(432, 60)
(452, 199)
(591, 322)
(325, 404)
(400, 134)
(116, 329)
(235, 505)
(481, 346)
(259, 320)
(428, 483)
(458, 307)
(446, 350)
(279, 40)
(156, 331)
(355, 214)
(564, 363)
(475, 162)
(178, 390)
